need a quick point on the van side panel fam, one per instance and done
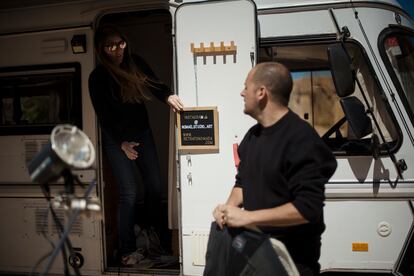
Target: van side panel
(23, 208)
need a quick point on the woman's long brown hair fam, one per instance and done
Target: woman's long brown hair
(132, 82)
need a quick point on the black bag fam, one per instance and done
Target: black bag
(244, 252)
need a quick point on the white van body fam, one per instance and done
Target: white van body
(369, 212)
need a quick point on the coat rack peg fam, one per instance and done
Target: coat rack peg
(212, 50)
(202, 52)
(233, 48)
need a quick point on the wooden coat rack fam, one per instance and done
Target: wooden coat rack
(222, 50)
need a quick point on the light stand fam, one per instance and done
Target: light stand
(69, 148)
(65, 236)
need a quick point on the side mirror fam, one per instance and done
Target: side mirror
(356, 116)
(342, 73)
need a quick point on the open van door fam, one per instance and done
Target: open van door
(215, 49)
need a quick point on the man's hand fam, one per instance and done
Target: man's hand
(219, 215)
(231, 216)
(128, 148)
(235, 216)
(175, 102)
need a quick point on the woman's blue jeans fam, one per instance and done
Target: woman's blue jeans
(125, 173)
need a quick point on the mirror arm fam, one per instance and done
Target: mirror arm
(400, 165)
(370, 109)
(334, 128)
(341, 34)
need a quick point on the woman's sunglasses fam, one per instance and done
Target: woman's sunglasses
(113, 46)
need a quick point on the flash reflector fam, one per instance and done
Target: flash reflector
(69, 147)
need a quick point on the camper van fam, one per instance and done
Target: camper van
(352, 64)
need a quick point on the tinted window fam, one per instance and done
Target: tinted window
(397, 49)
(35, 99)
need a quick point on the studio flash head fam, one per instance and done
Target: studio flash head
(69, 148)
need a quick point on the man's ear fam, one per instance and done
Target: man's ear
(262, 97)
(262, 92)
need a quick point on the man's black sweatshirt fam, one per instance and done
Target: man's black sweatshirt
(287, 162)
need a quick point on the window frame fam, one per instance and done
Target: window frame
(331, 39)
(76, 94)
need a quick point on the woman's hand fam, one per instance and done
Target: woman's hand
(175, 102)
(128, 148)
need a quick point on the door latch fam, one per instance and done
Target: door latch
(190, 179)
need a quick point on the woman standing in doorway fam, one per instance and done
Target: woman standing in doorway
(119, 87)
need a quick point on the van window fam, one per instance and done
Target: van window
(397, 49)
(35, 99)
(314, 98)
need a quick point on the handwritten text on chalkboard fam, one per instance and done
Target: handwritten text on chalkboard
(197, 127)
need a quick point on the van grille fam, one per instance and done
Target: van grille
(76, 227)
(44, 219)
(31, 148)
(41, 215)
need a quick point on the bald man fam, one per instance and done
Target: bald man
(284, 165)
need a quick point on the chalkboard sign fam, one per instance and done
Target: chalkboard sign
(198, 130)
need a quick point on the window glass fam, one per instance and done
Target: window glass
(313, 92)
(399, 50)
(34, 100)
(315, 100)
